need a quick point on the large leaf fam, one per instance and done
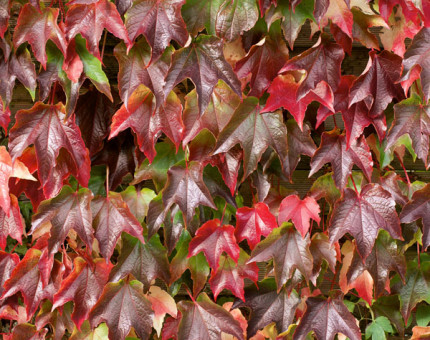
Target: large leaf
(204, 63)
(122, 305)
(201, 14)
(44, 126)
(362, 215)
(160, 21)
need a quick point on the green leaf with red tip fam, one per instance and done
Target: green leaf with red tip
(122, 305)
(138, 201)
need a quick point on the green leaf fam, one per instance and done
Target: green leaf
(423, 315)
(377, 329)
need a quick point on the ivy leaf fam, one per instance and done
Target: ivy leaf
(162, 303)
(159, 21)
(322, 250)
(111, 217)
(59, 321)
(338, 13)
(203, 319)
(89, 20)
(230, 275)
(7, 264)
(361, 27)
(213, 239)
(45, 126)
(254, 132)
(86, 332)
(252, 223)
(37, 26)
(235, 17)
(416, 208)
(362, 215)
(147, 121)
(145, 262)
(69, 210)
(201, 14)
(268, 306)
(321, 63)
(83, 286)
(326, 318)
(263, 61)
(204, 63)
(4, 17)
(186, 188)
(377, 329)
(122, 305)
(134, 70)
(289, 250)
(300, 212)
(28, 331)
(333, 149)
(138, 201)
(413, 118)
(377, 86)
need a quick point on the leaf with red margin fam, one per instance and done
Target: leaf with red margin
(44, 126)
(289, 250)
(333, 150)
(122, 305)
(111, 217)
(362, 23)
(27, 331)
(268, 306)
(11, 223)
(411, 116)
(186, 188)
(230, 275)
(147, 121)
(409, 8)
(222, 104)
(235, 17)
(252, 223)
(134, 70)
(265, 4)
(60, 321)
(69, 210)
(340, 14)
(145, 262)
(204, 63)
(203, 319)
(341, 38)
(322, 250)
(228, 165)
(162, 303)
(160, 21)
(213, 239)
(321, 63)
(83, 286)
(326, 318)
(362, 215)
(263, 61)
(300, 212)
(254, 132)
(378, 84)
(4, 116)
(4, 16)
(283, 94)
(37, 27)
(419, 207)
(384, 258)
(7, 264)
(90, 19)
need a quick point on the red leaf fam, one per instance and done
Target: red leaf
(300, 212)
(37, 27)
(11, 223)
(7, 264)
(333, 149)
(83, 286)
(213, 239)
(160, 21)
(340, 15)
(111, 217)
(90, 20)
(122, 305)
(362, 215)
(252, 223)
(44, 126)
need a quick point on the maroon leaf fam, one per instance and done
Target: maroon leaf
(326, 318)
(333, 149)
(322, 250)
(59, 321)
(362, 215)
(122, 305)
(377, 86)
(37, 26)
(160, 21)
(186, 188)
(213, 239)
(68, 210)
(83, 286)
(252, 223)
(289, 252)
(44, 126)
(111, 217)
(90, 19)
(204, 63)
(11, 223)
(7, 264)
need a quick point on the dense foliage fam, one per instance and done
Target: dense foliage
(157, 185)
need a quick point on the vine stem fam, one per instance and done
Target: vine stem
(334, 121)
(353, 182)
(53, 93)
(223, 212)
(404, 170)
(107, 180)
(103, 46)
